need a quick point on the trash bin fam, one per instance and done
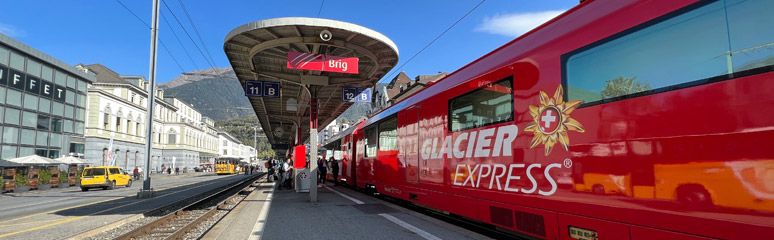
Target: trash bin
(303, 179)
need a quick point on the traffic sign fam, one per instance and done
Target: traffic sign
(271, 89)
(253, 88)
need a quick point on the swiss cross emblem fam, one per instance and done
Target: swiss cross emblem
(552, 121)
(549, 120)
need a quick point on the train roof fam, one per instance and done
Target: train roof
(500, 57)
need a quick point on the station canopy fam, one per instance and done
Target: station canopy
(259, 51)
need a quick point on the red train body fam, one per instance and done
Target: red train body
(617, 120)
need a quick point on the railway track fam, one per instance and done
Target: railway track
(177, 223)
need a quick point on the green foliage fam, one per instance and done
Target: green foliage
(621, 86)
(21, 178)
(78, 175)
(45, 176)
(63, 176)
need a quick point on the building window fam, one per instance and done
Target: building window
(12, 116)
(28, 119)
(9, 152)
(44, 122)
(42, 139)
(172, 138)
(106, 118)
(13, 98)
(56, 124)
(30, 101)
(27, 137)
(10, 135)
(44, 106)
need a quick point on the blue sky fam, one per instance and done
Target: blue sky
(105, 32)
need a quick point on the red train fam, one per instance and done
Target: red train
(619, 119)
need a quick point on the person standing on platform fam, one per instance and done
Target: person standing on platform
(289, 174)
(335, 169)
(322, 170)
(270, 171)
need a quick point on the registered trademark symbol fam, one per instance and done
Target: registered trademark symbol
(567, 163)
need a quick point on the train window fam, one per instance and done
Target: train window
(706, 42)
(370, 139)
(488, 105)
(388, 135)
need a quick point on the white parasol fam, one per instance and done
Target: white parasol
(33, 159)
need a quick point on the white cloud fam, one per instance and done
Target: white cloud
(11, 31)
(516, 24)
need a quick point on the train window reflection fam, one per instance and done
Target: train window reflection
(388, 135)
(370, 139)
(489, 105)
(715, 41)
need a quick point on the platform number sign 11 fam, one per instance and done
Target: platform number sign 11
(352, 94)
(262, 89)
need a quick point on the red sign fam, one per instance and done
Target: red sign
(306, 61)
(299, 156)
(319, 62)
(340, 64)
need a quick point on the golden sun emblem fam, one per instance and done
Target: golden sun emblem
(552, 121)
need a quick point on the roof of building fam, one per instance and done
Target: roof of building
(105, 74)
(19, 46)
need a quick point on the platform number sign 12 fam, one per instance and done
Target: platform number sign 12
(353, 94)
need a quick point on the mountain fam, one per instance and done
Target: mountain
(222, 98)
(216, 98)
(197, 76)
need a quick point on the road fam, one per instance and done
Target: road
(62, 213)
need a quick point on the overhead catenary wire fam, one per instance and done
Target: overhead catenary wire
(178, 41)
(398, 69)
(187, 34)
(164, 46)
(321, 7)
(192, 41)
(162, 43)
(196, 30)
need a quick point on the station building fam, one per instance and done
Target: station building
(42, 103)
(118, 111)
(232, 149)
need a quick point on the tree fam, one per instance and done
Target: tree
(623, 86)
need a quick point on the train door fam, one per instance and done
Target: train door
(410, 153)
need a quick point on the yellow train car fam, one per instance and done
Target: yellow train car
(225, 167)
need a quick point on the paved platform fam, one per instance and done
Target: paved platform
(340, 213)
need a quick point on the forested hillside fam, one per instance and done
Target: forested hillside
(242, 129)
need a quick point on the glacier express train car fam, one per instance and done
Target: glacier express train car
(626, 119)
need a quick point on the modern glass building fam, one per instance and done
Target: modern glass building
(42, 103)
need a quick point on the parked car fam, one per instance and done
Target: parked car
(105, 177)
